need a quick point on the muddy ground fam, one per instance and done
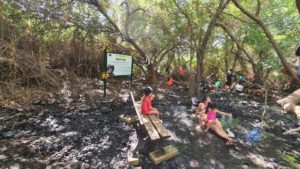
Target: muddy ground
(78, 129)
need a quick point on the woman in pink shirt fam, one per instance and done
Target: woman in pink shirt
(214, 124)
(146, 103)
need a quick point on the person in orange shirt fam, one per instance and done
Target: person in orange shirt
(169, 81)
(180, 70)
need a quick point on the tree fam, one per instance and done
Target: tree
(269, 36)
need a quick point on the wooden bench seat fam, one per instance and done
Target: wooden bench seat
(153, 125)
(156, 132)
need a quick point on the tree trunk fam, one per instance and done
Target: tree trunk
(151, 76)
(290, 102)
(269, 36)
(201, 50)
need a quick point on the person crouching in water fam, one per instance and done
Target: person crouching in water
(146, 103)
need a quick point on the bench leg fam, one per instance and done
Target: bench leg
(160, 147)
(142, 141)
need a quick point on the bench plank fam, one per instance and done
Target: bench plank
(153, 134)
(145, 120)
(162, 131)
(137, 109)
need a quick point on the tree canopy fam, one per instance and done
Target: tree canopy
(256, 37)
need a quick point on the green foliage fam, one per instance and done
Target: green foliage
(291, 160)
(161, 28)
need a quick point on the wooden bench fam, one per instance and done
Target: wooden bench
(157, 134)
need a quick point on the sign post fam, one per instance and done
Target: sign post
(104, 75)
(116, 65)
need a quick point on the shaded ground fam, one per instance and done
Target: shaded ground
(80, 131)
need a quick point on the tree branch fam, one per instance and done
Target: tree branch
(258, 8)
(237, 42)
(202, 48)
(127, 38)
(269, 36)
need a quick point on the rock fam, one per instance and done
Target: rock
(66, 120)
(70, 134)
(280, 123)
(38, 101)
(85, 166)
(243, 102)
(19, 134)
(105, 110)
(3, 157)
(194, 164)
(245, 166)
(75, 164)
(41, 114)
(1, 127)
(51, 101)
(255, 104)
(62, 106)
(89, 154)
(8, 133)
(15, 166)
(101, 83)
(84, 107)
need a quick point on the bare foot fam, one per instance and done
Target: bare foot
(229, 142)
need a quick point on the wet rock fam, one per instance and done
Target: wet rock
(84, 107)
(105, 110)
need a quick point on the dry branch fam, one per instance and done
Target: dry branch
(292, 131)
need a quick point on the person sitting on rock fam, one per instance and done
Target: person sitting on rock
(211, 115)
(217, 85)
(217, 127)
(229, 77)
(146, 103)
(209, 79)
(200, 113)
(239, 87)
